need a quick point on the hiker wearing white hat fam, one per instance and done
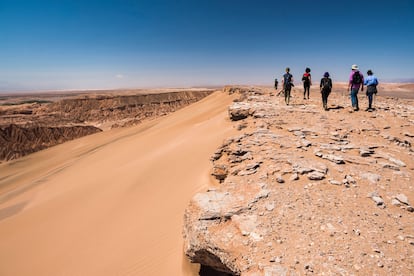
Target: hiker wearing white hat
(356, 81)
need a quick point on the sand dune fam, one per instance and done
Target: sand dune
(110, 203)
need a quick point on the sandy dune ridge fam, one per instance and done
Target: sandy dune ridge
(110, 203)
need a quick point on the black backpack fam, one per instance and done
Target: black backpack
(356, 78)
(326, 85)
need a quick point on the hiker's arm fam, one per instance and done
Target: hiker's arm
(362, 84)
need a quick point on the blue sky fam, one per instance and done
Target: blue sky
(87, 44)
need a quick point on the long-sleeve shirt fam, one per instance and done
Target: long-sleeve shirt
(371, 80)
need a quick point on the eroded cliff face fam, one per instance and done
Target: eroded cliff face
(28, 125)
(307, 191)
(17, 141)
(123, 109)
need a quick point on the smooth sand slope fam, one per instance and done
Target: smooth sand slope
(110, 203)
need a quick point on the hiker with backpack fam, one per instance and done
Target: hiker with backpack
(287, 84)
(326, 88)
(356, 81)
(371, 82)
(307, 82)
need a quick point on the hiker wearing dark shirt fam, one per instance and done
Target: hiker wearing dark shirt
(287, 84)
(326, 88)
(307, 82)
(356, 81)
(276, 84)
(371, 82)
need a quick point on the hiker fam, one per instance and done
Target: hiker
(326, 88)
(287, 84)
(307, 82)
(356, 81)
(276, 84)
(371, 82)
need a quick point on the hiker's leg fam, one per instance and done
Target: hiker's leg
(286, 99)
(287, 95)
(370, 100)
(325, 100)
(304, 90)
(354, 98)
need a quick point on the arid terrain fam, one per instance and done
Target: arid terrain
(236, 181)
(306, 191)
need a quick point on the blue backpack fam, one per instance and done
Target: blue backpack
(288, 79)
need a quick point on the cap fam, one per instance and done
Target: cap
(326, 74)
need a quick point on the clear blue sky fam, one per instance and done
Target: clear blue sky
(72, 44)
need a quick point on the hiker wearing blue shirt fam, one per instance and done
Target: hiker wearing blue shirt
(287, 84)
(371, 82)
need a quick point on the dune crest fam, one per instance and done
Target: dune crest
(110, 203)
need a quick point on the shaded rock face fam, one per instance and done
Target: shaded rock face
(114, 109)
(132, 107)
(17, 141)
(305, 191)
(30, 125)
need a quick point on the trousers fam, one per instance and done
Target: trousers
(354, 98)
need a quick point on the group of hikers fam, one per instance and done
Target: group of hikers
(356, 82)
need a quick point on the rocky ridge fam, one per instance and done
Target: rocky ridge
(305, 191)
(36, 122)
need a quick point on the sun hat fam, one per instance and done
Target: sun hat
(354, 67)
(326, 74)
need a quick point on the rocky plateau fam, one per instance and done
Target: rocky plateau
(304, 191)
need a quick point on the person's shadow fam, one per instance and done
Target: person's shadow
(336, 107)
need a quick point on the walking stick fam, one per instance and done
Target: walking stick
(282, 90)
